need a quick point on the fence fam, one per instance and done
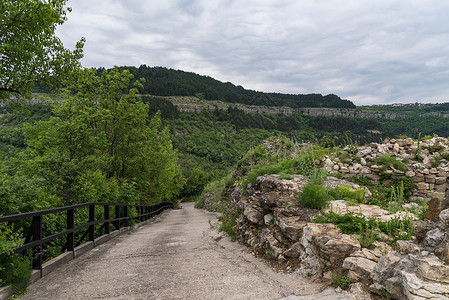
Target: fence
(35, 240)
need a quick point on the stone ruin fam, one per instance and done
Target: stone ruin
(273, 222)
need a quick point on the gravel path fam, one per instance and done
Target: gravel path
(180, 256)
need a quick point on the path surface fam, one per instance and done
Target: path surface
(180, 256)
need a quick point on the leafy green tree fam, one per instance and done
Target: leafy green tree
(30, 52)
(100, 146)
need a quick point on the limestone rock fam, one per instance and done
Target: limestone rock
(253, 215)
(294, 251)
(442, 250)
(271, 244)
(436, 205)
(291, 227)
(268, 219)
(432, 268)
(364, 152)
(336, 249)
(422, 186)
(444, 217)
(434, 237)
(359, 265)
(407, 247)
(421, 228)
(416, 288)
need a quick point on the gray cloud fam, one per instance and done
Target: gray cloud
(367, 51)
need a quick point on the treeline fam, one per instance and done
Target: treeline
(161, 81)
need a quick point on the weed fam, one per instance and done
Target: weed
(387, 160)
(397, 198)
(228, 222)
(323, 267)
(342, 282)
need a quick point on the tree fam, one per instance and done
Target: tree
(100, 146)
(30, 51)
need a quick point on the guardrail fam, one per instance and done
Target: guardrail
(35, 240)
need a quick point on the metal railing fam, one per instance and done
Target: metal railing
(35, 240)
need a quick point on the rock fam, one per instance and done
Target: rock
(434, 237)
(430, 178)
(270, 243)
(407, 247)
(421, 228)
(422, 186)
(363, 161)
(373, 255)
(432, 268)
(360, 265)
(365, 152)
(416, 288)
(335, 249)
(444, 217)
(442, 250)
(396, 148)
(294, 251)
(291, 227)
(359, 291)
(436, 205)
(410, 174)
(268, 219)
(310, 263)
(440, 180)
(418, 178)
(426, 161)
(253, 215)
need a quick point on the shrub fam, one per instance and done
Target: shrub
(385, 159)
(314, 196)
(346, 193)
(15, 270)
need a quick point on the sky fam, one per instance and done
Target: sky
(366, 51)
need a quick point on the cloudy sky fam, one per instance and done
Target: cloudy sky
(367, 51)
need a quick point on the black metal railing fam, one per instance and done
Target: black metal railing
(35, 240)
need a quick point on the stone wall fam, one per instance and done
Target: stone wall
(426, 163)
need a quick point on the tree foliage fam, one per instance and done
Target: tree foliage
(98, 145)
(30, 52)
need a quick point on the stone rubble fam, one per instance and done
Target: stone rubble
(274, 223)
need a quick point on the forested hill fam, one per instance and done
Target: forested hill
(161, 81)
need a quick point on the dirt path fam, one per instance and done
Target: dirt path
(178, 257)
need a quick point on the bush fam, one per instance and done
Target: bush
(15, 270)
(345, 193)
(314, 196)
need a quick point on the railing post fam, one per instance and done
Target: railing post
(117, 215)
(36, 229)
(70, 225)
(147, 211)
(106, 219)
(91, 219)
(125, 214)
